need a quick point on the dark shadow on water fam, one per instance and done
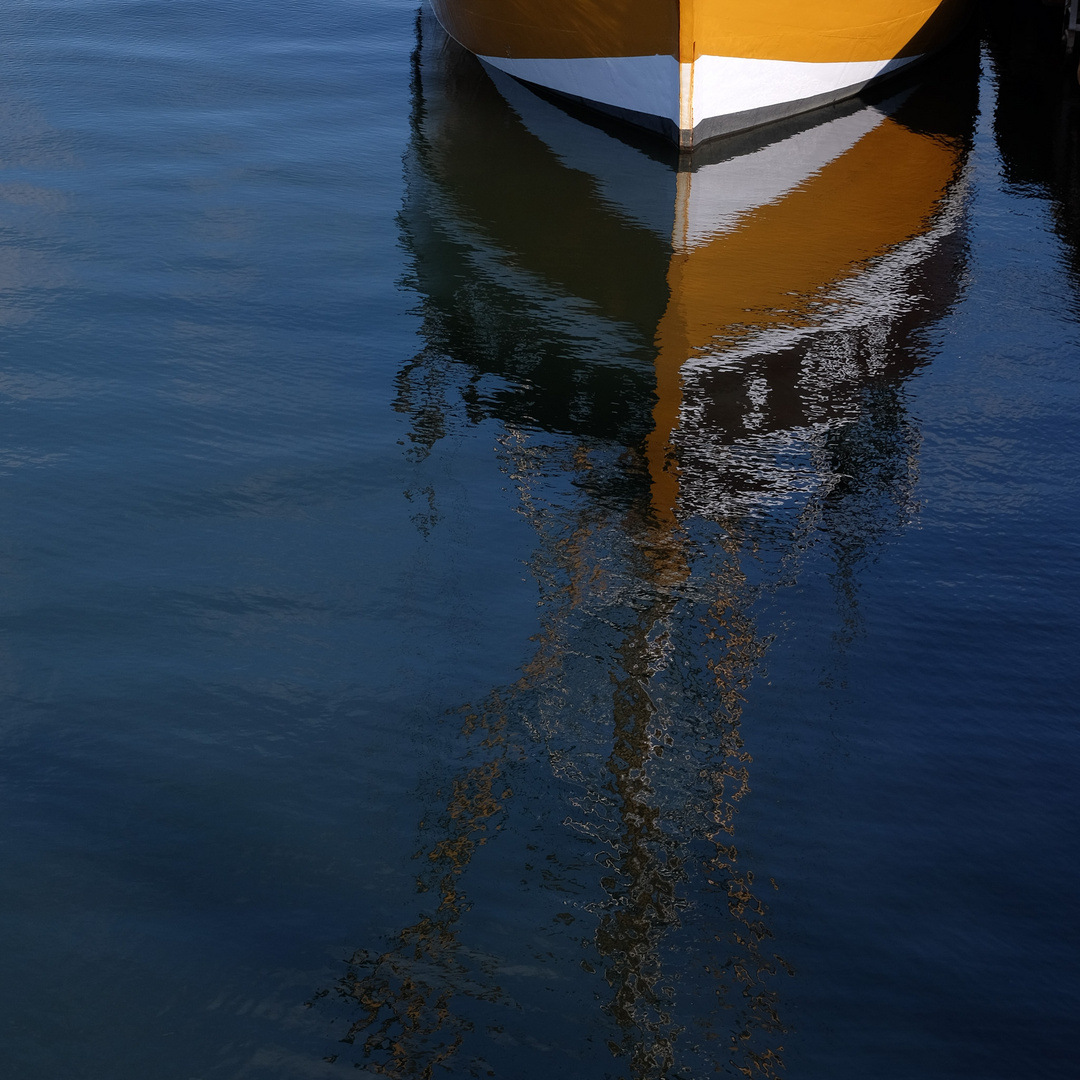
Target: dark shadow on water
(1037, 113)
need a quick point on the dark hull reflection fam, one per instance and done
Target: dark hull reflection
(693, 366)
(1037, 112)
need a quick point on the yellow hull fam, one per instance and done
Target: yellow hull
(695, 69)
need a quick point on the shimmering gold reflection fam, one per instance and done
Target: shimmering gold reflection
(644, 840)
(647, 868)
(651, 397)
(408, 1020)
(643, 864)
(751, 966)
(405, 1024)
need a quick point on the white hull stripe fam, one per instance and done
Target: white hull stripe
(718, 85)
(730, 84)
(642, 84)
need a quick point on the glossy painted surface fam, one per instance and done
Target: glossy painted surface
(521, 28)
(826, 31)
(696, 70)
(401, 679)
(829, 31)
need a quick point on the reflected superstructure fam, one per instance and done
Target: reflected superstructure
(693, 365)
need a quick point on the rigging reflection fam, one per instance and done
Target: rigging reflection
(696, 365)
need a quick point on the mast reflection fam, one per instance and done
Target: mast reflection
(694, 364)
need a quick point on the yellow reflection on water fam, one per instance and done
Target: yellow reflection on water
(675, 353)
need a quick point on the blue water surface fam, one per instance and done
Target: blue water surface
(361, 710)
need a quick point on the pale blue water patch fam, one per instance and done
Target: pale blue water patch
(209, 560)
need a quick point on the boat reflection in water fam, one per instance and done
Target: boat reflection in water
(695, 369)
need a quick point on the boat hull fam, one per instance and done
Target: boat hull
(692, 70)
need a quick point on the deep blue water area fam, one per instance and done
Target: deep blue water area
(453, 623)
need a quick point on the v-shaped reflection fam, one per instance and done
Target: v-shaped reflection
(696, 366)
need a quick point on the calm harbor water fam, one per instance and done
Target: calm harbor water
(480, 600)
